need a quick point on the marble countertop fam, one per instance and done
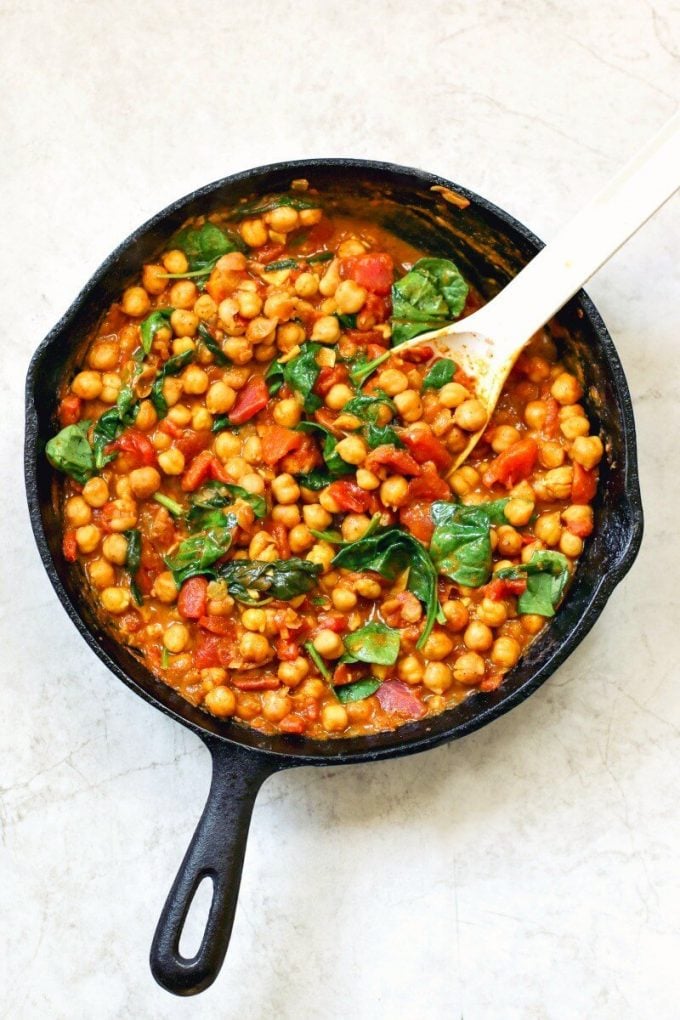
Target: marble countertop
(529, 871)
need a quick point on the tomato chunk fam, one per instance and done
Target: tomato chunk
(395, 696)
(584, 485)
(429, 485)
(328, 377)
(501, 587)
(252, 399)
(418, 519)
(207, 650)
(69, 410)
(375, 272)
(198, 471)
(193, 598)
(135, 442)
(222, 625)
(69, 546)
(389, 456)
(513, 465)
(277, 441)
(349, 496)
(425, 446)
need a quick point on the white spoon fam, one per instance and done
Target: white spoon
(486, 344)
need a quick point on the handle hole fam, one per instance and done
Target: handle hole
(195, 922)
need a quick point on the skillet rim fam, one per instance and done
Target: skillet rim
(410, 738)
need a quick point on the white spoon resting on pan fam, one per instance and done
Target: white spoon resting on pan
(486, 344)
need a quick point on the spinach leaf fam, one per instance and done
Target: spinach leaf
(380, 435)
(360, 367)
(321, 256)
(133, 559)
(374, 642)
(547, 575)
(389, 553)
(170, 504)
(216, 495)
(335, 538)
(347, 321)
(301, 374)
(259, 206)
(112, 422)
(368, 407)
(314, 480)
(210, 343)
(69, 451)
(148, 329)
(439, 374)
(280, 579)
(173, 366)
(196, 555)
(203, 246)
(461, 545)
(222, 422)
(357, 691)
(431, 295)
(334, 462)
(274, 267)
(317, 660)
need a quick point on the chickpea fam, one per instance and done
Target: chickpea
(103, 356)
(293, 673)
(237, 467)
(519, 512)
(329, 644)
(456, 614)
(280, 305)
(135, 302)
(164, 588)
(532, 622)
(367, 480)
(227, 445)
(101, 573)
(470, 415)
(368, 588)
(350, 297)
(123, 487)
(183, 294)
(492, 613)
(551, 455)
(114, 548)
(343, 599)
(392, 381)
(570, 544)
(284, 219)
(338, 396)
(201, 419)
(275, 705)
(184, 322)
(548, 528)
(557, 483)
(195, 380)
(503, 438)
(352, 449)
(306, 285)
(115, 600)
(144, 482)
(249, 303)
(220, 701)
(464, 480)
(123, 516)
(478, 636)
(437, 677)
(300, 538)
(452, 395)
(334, 718)
(316, 517)
(77, 510)
(253, 483)
(146, 416)
(438, 645)
(354, 526)
(456, 440)
(509, 541)
(254, 619)
(247, 706)
(220, 398)
(579, 518)
(255, 647)
(587, 451)
(566, 389)
(238, 350)
(505, 652)
(180, 415)
(172, 390)
(260, 541)
(285, 489)
(252, 450)
(323, 554)
(330, 279)
(359, 711)
(410, 669)
(171, 462)
(326, 330)
(468, 669)
(409, 405)
(535, 414)
(175, 262)
(87, 385)
(175, 638)
(287, 412)
(575, 426)
(288, 515)
(205, 308)
(254, 233)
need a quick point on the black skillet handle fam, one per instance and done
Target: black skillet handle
(216, 850)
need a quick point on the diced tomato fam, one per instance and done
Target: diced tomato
(464, 379)
(389, 456)
(69, 410)
(255, 682)
(376, 309)
(277, 441)
(582, 528)
(551, 426)
(69, 546)
(491, 682)
(222, 625)
(198, 471)
(425, 446)
(303, 460)
(328, 377)
(332, 621)
(206, 653)
(136, 443)
(513, 465)
(418, 354)
(193, 598)
(361, 337)
(250, 400)
(349, 496)
(347, 673)
(375, 272)
(269, 252)
(417, 518)
(170, 428)
(293, 724)
(401, 610)
(501, 587)
(324, 416)
(584, 485)
(280, 533)
(218, 472)
(374, 351)
(190, 443)
(395, 696)
(287, 650)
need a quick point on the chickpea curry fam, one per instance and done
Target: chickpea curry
(258, 484)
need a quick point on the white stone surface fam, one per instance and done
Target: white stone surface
(529, 871)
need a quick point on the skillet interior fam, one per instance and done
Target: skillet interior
(490, 247)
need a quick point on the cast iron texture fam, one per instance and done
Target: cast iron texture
(491, 246)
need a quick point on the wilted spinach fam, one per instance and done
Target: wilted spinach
(173, 366)
(547, 574)
(148, 329)
(215, 495)
(133, 559)
(334, 462)
(203, 246)
(374, 642)
(428, 297)
(357, 691)
(196, 555)
(367, 409)
(461, 545)
(441, 373)
(300, 374)
(280, 579)
(69, 451)
(317, 660)
(260, 206)
(206, 338)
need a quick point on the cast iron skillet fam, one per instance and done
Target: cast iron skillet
(490, 246)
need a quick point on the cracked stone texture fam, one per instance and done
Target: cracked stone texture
(530, 871)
